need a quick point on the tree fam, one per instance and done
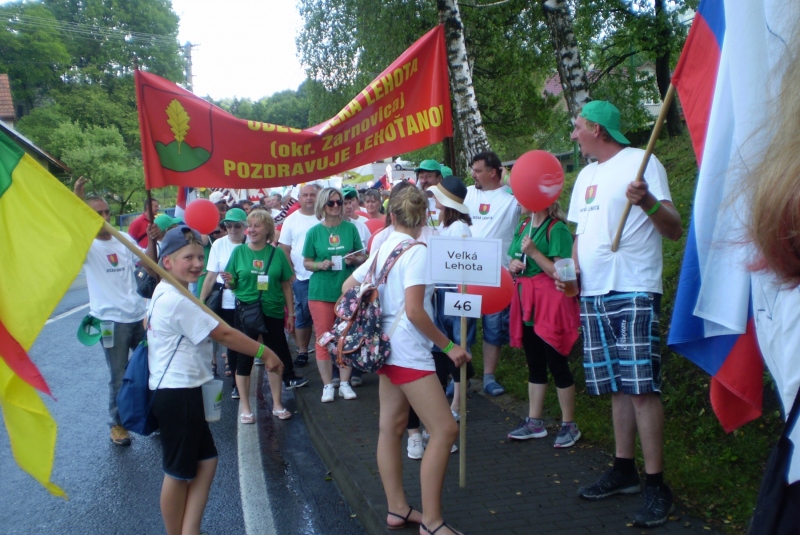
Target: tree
(568, 59)
(33, 55)
(100, 153)
(468, 116)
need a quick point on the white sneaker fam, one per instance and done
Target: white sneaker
(346, 391)
(328, 393)
(415, 447)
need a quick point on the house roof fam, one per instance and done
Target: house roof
(7, 111)
(28, 145)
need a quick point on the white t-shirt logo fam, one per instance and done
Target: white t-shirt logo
(112, 259)
(591, 193)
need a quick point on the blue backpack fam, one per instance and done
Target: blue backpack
(134, 400)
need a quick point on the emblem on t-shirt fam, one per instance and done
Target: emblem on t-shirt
(333, 239)
(113, 260)
(591, 193)
(484, 209)
(258, 264)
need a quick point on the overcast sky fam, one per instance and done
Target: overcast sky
(245, 48)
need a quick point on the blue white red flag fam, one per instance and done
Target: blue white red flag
(725, 81)
(185, 196)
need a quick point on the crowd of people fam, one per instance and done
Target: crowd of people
(297, 256)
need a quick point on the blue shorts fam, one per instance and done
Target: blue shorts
(622, 343)
(495, 328)
(302, 319)
(451, 325)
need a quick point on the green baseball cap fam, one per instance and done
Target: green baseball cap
(235, 215)
(164, 222)
(89, 330)
(349, 192)
(605, 114)
(446, 171)
(429, 165)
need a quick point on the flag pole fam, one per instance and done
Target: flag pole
(164, 274)
(645, 160)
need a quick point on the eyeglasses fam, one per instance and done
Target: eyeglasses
(237, 226)
(215, 232)
(331, 204)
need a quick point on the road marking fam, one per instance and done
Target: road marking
(65, 314)
(256, 507)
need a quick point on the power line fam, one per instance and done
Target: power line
(90, 32)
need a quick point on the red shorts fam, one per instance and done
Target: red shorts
(399, 375)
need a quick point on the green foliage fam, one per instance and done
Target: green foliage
(286, 108)
(99, 152)
(716, 475)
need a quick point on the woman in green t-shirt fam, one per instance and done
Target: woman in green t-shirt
(331, 253)
(258, 271)
(541, 239)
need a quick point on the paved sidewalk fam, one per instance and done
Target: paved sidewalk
(512, 487)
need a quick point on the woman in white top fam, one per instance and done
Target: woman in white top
(179, 337)
(409, 378)
(235, 222)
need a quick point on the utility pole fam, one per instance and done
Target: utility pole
(187, 57)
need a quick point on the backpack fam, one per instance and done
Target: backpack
(134, 399)
(357, 338)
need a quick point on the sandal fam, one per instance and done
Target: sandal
(227, 368)
(214, 366)
(247, 418)
(406, 521)
(282, 415)
(443, 525)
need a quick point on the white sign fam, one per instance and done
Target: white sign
(464, 260)
(457, 304)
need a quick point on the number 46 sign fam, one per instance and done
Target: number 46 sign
(468, 305)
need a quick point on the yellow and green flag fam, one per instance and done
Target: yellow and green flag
(45, 233)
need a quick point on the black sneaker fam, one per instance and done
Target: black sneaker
(295, 382)
(235, 393)
(301, 360)
(612, 482)
(658, 505)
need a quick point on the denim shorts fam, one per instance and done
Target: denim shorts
(621, 343)
(495, 328)
(302, 319)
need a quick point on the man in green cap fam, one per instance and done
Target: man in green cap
(621, 299)
(429, 173)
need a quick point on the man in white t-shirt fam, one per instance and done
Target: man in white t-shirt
(350, 206)
(109, 268)
(429, 173)
(292, 239)
(495, 213)
(620, 300)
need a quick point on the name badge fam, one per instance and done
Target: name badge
(337, 262)
(263, 283)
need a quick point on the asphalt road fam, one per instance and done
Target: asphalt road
(269, 479)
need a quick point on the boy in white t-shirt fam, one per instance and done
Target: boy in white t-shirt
(179, 335)
(109, 267)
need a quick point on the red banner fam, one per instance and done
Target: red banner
(188, 142)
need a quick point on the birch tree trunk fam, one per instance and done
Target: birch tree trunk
(467, 115)
(565, 45)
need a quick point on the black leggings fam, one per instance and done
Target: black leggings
(541, 355)
(274, 338)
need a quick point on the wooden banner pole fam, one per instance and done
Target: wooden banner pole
(462, 431)
(640, 174)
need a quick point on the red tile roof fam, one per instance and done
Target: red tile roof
(6, 102)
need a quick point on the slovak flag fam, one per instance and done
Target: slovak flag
(724, 79)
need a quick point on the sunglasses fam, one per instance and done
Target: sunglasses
(331, 204)
(237, 226)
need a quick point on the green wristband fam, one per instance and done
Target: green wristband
(448, 347)
(260, 352)
(653, 210)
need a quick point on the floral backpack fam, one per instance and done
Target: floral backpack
(357, 339)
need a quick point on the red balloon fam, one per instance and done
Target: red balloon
(537, 179)
(202, 216)
(375, 225)
(494, 299)
(362, 213)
